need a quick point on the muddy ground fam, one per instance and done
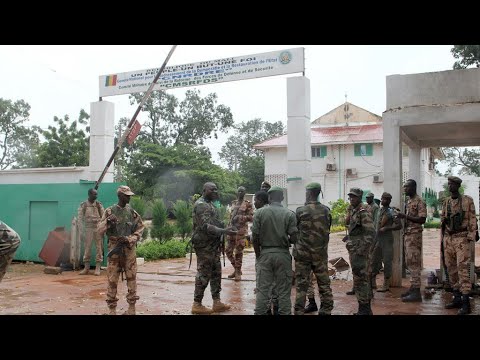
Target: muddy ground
(166, 287)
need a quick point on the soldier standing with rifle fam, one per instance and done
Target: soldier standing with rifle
(206, 239)
(459, 229)
(124, 228)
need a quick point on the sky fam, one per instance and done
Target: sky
(58, 80)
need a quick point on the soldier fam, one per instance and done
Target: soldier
(387, 223)
(459, 227)
(124, 228)
(373, 208)
(311, 250)
(206, 239)
(89, 214)
(312, 305)
(265, 186)
(360, 238)
(241, 213)
(272, 226)
(415, 216)
(9, 243)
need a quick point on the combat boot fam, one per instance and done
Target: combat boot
(386, 285)
(199, 309)
(406, 293)
(364, 309)
(130, 310)
(218, 306)
(275, 309)
(351, 292)
(85, 270)
(414, 296)
(456, 302)
(465, 306)
(97, 269)
(311, 307)
(232, 275)
(238, 275)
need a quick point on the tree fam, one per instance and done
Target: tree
(17, 141)
(467, 158)
(66, 146)
(469, 55)
(190, 121)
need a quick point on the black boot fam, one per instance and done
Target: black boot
(465, 306)
(406, 293)
(351, 292)
(456, 302)
(414, 296)
(311, 307)
(364, 309)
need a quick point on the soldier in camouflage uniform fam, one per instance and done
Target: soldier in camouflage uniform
(206, 239)
(415, 216)
(89, 214)
(9, 243)
(312, 305)
(240, 214)
(311, 250)
(460, 229)
(124, 228)
(360, 238)
(272, 227)
(372, 207)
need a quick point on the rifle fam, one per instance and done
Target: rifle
(222, 247)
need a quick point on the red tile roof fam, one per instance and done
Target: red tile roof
(334, 135)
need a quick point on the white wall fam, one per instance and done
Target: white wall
(44, 175)
(470, 182)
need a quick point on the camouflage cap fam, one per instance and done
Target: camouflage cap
(275, 188)
(455, 179)
(314, 186)
(386, 195)
(356, 191)
(125, 190)
(370, 195)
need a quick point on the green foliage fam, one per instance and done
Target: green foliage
(432, 225)
(467, 158)
(337, 228)
(153, 250)
(468, 54)
(223, 214)
(66, 146)
(145, 233)
(183, 214)
(139, 205)
(163, 234)
(161, 229)
(17, 141)
(338, 211)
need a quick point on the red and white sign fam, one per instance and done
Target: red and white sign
(133, 132)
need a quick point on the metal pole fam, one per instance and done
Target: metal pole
(132, 121)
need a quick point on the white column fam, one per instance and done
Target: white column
(299, 153)
(392, 165)
(101, 139)
(414, 167)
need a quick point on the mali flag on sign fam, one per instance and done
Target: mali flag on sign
(111, 80)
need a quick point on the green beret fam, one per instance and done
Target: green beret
(314, 186)
(370, 195)
(275, 188)
(455, 179)
(356, 191)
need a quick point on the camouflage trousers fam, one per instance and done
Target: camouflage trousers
(359, 252)
(117, 264)
(209, 270)
(91, 234)
(318, 264)
(413, 257)
(274, 265)
(457, 259)
(234, 250)
(311, 286)
(383, 253)
(5, 261)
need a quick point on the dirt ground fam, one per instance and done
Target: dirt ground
(166, 287)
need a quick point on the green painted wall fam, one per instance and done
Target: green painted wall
(34, 210)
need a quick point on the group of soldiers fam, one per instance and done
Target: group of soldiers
(275, 231)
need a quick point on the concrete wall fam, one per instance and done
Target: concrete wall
(470, 183)
(44, 175)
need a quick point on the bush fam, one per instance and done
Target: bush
(139, 205)
(183, 214)
(153, 250)
(161, 229)
(338, 211)
(337, 228)
(145, 234)
(432, 225)
(164, 233)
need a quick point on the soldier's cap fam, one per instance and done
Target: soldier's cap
(370, 195)
(125, 190)
(356, 191)
(386, 195)
(455, 179)
(314, 186)
(266, 184)
(275, 188)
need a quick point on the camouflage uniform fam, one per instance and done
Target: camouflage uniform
(311, 286)
(9, 243)
(458, 239)
(206, 241)
(89, 216)
(243, 213)
(130, 225)
(373, 209)
(413, 239)
(272, 225)
(360, 238)
(311, 254)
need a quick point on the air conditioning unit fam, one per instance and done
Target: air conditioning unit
(431, 166)
(351, 172)
(331, 167)
(377, 178)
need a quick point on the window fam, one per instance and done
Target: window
(363, 150)
(319, 151)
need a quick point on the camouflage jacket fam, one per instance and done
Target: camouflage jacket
(207, 227)
(374, 209)
(415, 207)
(464, 206)
(90, 214)
(240, 215)
(360, 230)
(386, 218)
(9, 239)
(129, 223)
